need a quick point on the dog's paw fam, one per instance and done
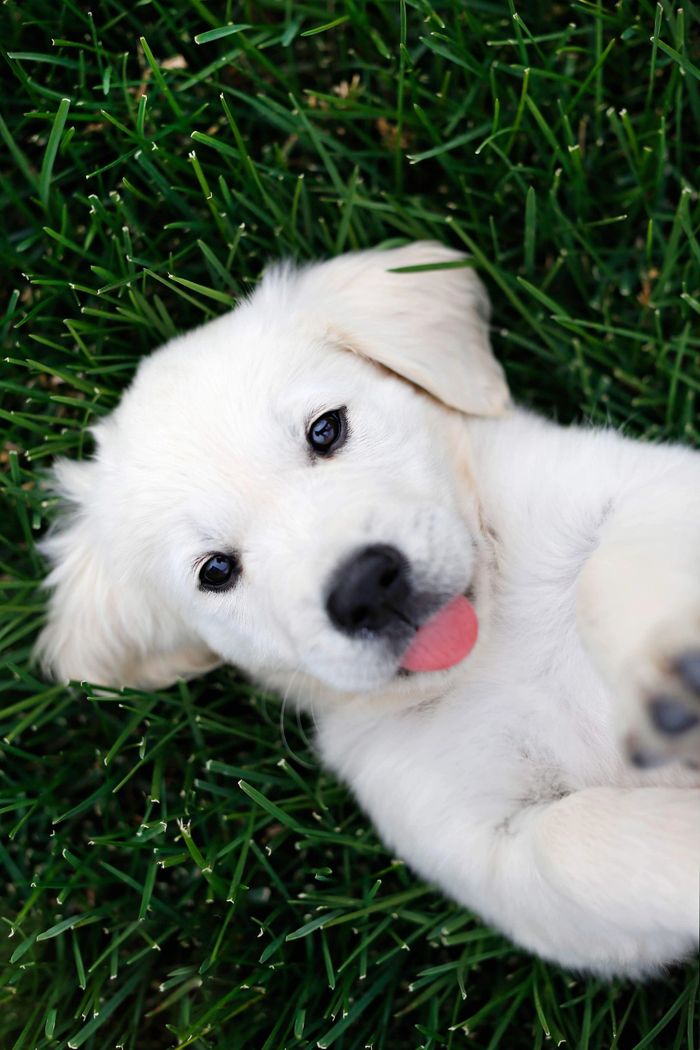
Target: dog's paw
(663, 715)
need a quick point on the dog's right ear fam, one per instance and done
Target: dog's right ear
(428, 322)
(104, 626)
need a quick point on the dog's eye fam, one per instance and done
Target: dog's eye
(219, 572)
(328, 432)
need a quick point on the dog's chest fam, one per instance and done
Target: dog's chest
(515, 730)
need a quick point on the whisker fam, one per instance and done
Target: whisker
(283, 732)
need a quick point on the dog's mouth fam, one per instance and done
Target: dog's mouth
(444, 639)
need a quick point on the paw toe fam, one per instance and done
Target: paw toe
(671, 716)
(642, 757)
(687, 667)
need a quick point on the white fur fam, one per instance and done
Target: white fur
(504, 780)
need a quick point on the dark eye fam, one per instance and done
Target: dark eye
(218, 572)
(328, 432)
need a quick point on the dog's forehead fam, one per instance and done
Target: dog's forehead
(212, 432)
(231, 398)
(226, 368)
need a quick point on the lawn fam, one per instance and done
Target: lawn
(174, 868)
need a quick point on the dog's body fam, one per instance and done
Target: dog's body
(506, 778)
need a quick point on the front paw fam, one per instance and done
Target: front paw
(664, 723)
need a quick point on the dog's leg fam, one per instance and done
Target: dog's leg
(605, 879)
(638, 608)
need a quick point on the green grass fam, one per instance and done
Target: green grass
(174, 869)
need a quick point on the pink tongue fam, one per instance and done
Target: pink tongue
(444, 639)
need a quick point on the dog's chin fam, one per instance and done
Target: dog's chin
(348, 680)
(395, 681)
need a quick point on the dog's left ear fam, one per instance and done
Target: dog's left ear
(430, 327)
(104, 624)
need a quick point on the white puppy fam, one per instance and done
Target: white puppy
(328, 487)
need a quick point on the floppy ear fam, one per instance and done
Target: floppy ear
(429, 326)
(103, 625)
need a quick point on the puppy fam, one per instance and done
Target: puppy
(495, 621)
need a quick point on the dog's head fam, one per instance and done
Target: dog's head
(277, 489)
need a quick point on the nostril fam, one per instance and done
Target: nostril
(388, 577)
(360, 615)
(367, 589)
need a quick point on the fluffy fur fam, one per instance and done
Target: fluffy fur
(506, 780)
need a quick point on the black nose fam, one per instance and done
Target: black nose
(367, 589)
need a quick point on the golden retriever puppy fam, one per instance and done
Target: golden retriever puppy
(495, 620)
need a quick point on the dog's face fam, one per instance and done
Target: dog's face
(277, 490)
